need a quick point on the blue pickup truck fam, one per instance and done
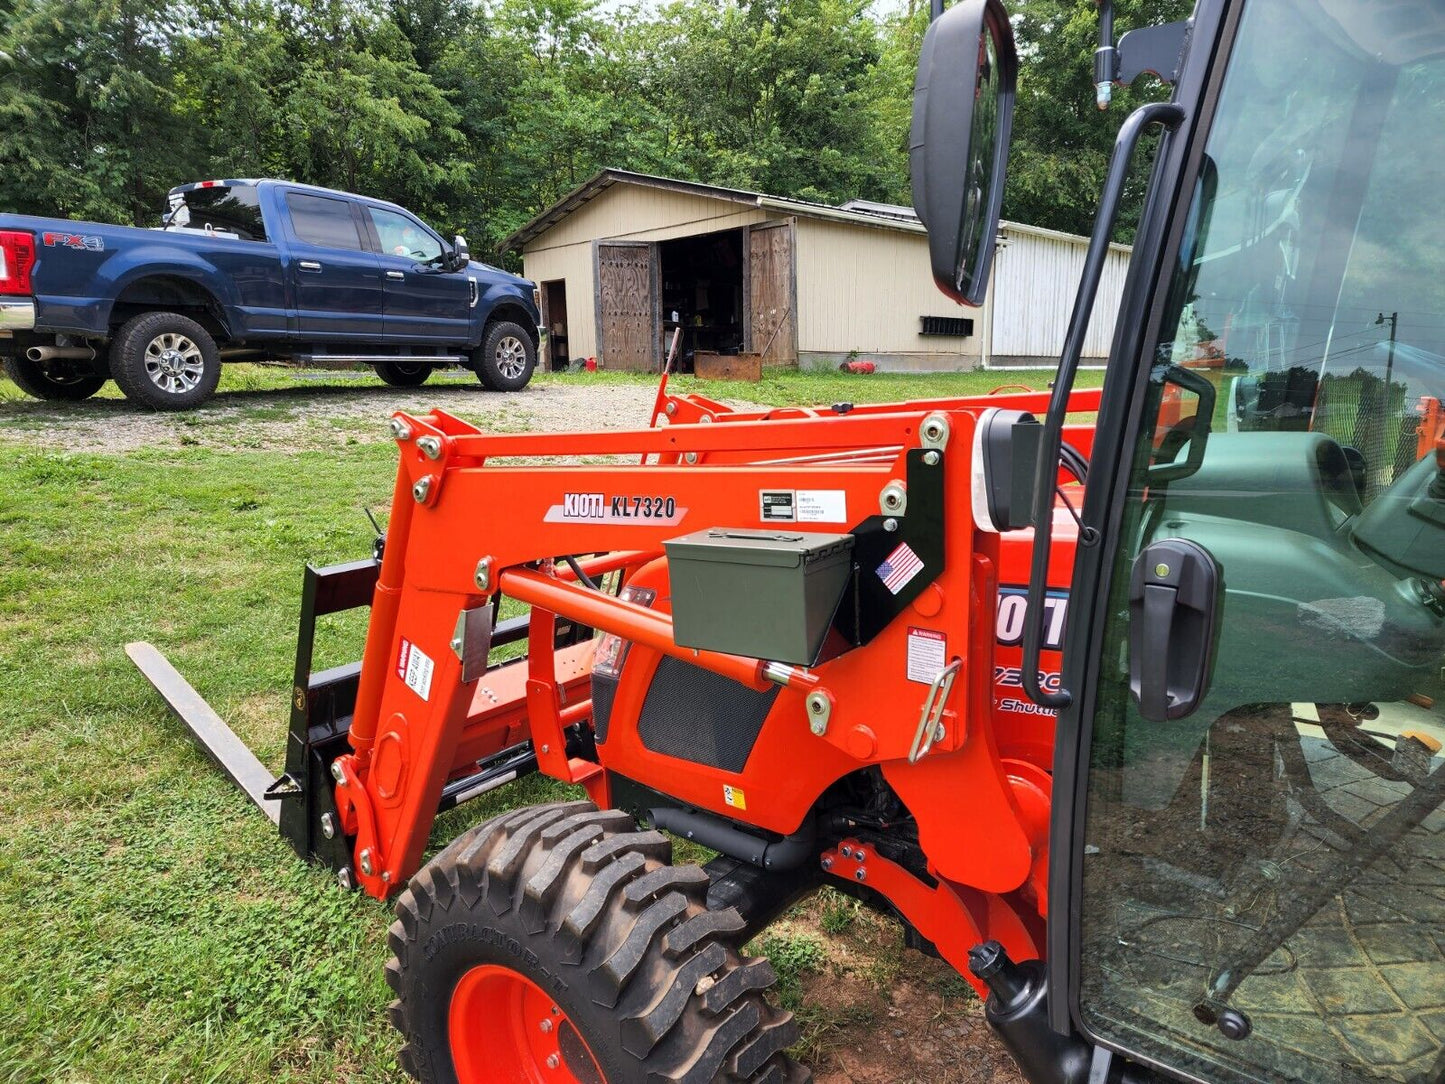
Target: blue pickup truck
(252, 270)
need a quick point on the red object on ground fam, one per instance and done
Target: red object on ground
(857, 367)
(591, 365)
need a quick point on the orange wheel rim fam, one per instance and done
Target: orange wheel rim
(503, 1029)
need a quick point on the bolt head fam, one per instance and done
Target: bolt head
(328, 825)
(671, 409)
(553, 1061)
(431, 446)
(860, 874)
(846, 851)
(931, 458)
(484, 574)
(828, 863)
(546, 1025)
(691, 457)
(344, 878)
(890, 524)
(421, 489)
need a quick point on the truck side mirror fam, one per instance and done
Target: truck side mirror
(461, 254)
(958, 149)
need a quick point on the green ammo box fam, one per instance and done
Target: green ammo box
(770, 594)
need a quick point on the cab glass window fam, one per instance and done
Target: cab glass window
(400, 235)
(320, 220)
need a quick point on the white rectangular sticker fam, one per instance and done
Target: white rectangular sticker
(415, 668)
(927, 654)
(822, 506)
(777, 505)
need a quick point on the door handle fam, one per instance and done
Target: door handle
(396, 274)
(308, 265)
(1175, 595)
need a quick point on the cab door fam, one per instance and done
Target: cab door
(335, 279)
(425, 303)
(1255, 888)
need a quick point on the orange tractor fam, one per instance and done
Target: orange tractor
(1135, 722)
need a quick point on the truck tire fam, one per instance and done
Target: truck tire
(558, 942)
(64, 380)
(165, 361)
(401, 374)
(507, 357)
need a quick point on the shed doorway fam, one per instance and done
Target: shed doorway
(554, 319)
(704, 292)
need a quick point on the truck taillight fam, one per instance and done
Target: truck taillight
(17, 257)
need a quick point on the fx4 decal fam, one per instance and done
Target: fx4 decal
(86, 242)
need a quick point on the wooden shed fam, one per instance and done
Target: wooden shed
(627, 257)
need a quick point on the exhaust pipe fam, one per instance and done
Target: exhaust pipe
(53, 353)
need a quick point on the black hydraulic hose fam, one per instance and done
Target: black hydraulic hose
(783, 854)
(1170, 116)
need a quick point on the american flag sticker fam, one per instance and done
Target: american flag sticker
(899, 567)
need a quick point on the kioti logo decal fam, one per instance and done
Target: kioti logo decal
(601, 508)
(87, 242)
(1013, 607)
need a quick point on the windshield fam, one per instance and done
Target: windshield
(227, 209)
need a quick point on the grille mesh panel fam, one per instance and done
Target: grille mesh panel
(696, 715)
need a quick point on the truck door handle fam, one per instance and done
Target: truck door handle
(1175, 593)
(396, 274)
(309, 265)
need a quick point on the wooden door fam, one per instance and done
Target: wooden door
(627, 312)
(772, 293)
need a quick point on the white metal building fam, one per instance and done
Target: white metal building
(627, 257)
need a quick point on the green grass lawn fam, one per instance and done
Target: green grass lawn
(152, 925)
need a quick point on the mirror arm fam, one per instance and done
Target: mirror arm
(1135, 125)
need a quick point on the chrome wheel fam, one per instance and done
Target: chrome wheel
(174, 363)
(511, 357)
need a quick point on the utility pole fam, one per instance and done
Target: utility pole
(1394, 319)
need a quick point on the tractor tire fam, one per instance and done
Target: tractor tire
(558, 943)
(401, 374)
(64, 380)
(165, 361)
(507, 357)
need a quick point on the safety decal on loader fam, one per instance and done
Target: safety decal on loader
(734, 796)
(415, 668)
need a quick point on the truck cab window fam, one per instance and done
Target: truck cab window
(401, 235)
(319, 220)
(224, 209)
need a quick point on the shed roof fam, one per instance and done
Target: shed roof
(857, 212)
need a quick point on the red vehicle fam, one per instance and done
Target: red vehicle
(1135, 723)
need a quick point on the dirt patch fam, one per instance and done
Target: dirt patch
(323, 416)
(872, 1011)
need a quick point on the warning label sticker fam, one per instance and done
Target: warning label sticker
(927, 654)
(777, 505)
(415, 668)
(734, 797)
(822, 506)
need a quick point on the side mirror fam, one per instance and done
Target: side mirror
(461, 254)
(962, 113)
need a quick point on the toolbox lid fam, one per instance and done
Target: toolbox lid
(750, 546)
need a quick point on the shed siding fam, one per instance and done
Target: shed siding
(863, 288)
(624, 212)
(1035, 277)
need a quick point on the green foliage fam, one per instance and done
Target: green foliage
(478, 115)
(794, 957)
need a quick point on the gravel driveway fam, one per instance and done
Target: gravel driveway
(325, 415)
